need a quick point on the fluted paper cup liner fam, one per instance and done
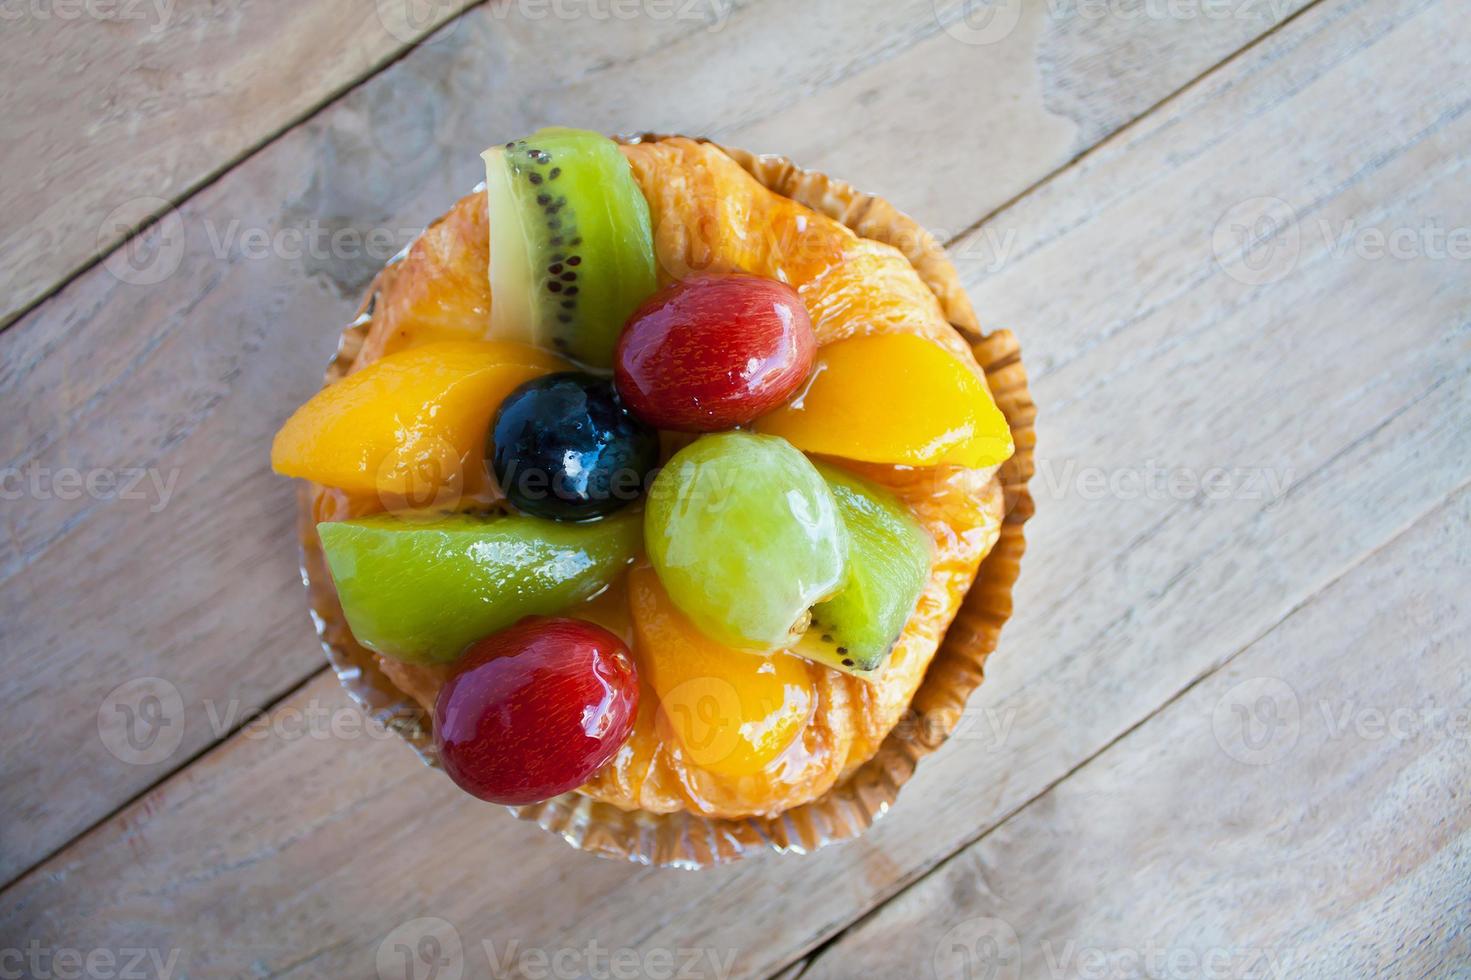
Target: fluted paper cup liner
(683, 839)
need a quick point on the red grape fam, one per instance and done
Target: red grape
(534, 710)
(714, 352)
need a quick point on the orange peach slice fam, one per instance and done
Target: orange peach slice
(894, 398)
(410, 425)
(732, 712)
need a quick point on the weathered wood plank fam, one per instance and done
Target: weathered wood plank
(185, 379)
(113, 110)
(1347, 377)
(1299, 813)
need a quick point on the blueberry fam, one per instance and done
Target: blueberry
(564, 447)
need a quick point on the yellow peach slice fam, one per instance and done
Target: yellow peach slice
(894, 398)
(732, 712)
(410, 425)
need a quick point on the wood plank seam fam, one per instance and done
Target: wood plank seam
(810, 957)
(233, 729)
(224, 167)
(1163, 103)
(210, 177)
(1296, 486)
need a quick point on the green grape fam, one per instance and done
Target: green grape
(746, 537)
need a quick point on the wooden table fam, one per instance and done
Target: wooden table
(1228, 733)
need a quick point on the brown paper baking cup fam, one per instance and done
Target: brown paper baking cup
(683, 839)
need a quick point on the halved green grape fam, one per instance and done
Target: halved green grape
(889, 557)
(571, 243)
(745, 536)
(421, 591)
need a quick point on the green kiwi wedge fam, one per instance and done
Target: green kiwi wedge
(571, 243)
(889, 559)
(421, 588)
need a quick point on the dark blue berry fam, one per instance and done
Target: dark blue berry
(564, 447)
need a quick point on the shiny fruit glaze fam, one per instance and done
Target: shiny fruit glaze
(745, 536)
(896, 399)
(730, 711)
(421, 587)
(714, 352)
(410, 427)
(535, 710)
(563, 447)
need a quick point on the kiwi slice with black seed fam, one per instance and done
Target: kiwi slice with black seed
(571, 243)
(889, 559)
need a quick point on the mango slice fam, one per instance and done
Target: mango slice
(896, 399)
(730, 711)
(409, 425)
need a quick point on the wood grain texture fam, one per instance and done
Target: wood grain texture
(1345, 378)
(191, 578)
(1299, 813)
(113, 110)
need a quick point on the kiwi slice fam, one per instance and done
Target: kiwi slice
(889, 557)
(571, 243)
(420, 587)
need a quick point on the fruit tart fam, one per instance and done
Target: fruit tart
(667, 495)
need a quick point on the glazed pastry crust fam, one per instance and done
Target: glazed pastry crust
(710, 215)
